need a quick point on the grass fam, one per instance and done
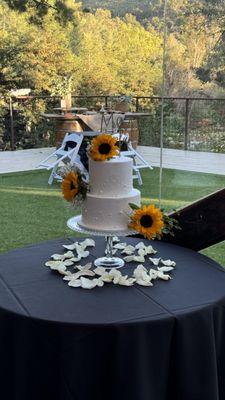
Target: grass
(31, 211)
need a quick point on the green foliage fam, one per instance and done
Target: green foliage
(121, 55)
(53, 47)
(63, 9)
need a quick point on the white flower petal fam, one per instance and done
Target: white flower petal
(70, 246)
(57, 257)
(139, 259)
(69, 277)
(147, 249)
(63, 271)
(52, 263)
(155, 261)
(128, 250)
(129, 258)
(68, 254)
(140, 273)
(100, 271)
(115, 239)
(83, 273)
(163, 276)
(74, 283)
(83, 253)
(153, 274)
(134, 258)
(115, 274)
(68, 263)
(142, 282)
(140, 245)
(140, 268)
(84, 267)
(120, 246)
(61, 268)
(125, 281)
(150, 250)
(165, 269)
(100, 282)
(168, 263)
(88, 283)
(87, 243)
(106, 277)
(75, 259)
(142, 252)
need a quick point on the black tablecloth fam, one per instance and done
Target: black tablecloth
(165, 342)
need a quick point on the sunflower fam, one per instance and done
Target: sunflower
(103, 147)
(70, 186)
(148, 221)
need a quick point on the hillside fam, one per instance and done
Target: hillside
(141, 8)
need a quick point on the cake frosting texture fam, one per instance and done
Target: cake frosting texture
(111, 178)
(106, 206)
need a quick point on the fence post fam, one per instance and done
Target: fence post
(106, 101)
(186, 132)
(137, 104)
(12, 138)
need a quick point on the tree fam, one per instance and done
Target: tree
(34, 56)
(118, 55)
(63, 9)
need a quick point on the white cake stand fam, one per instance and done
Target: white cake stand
(108, 261)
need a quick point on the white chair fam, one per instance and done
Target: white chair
(67, 152)
(138, 161)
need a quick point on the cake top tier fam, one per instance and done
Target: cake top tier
(112, 178)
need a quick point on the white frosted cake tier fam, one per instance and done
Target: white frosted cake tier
(111, 178)
(108, 213)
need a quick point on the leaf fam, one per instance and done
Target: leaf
(133, 206)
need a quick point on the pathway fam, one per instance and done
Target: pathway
(22, 160)
(196, 161)
(25, 160)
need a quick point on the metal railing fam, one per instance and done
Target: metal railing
(190, 114)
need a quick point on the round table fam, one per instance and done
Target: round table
(165, 342)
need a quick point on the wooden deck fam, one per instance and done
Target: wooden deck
(212, 163)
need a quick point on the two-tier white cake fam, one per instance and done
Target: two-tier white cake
(106, 206)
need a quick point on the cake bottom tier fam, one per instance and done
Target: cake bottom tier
(108, 214)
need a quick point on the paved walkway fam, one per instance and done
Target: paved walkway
(25, 160)
(22, 160)
(196, 161)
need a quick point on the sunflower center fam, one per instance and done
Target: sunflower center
(72, 187)
(146, 221)
(104, 148)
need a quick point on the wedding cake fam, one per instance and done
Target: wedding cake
(106, 205)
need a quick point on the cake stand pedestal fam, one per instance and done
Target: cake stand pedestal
(108, 261)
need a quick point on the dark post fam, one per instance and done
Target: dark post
(106, 101)
(186, 124)
(137, 104)
(12, 141)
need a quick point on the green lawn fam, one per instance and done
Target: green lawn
(30, 211)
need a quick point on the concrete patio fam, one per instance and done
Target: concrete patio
(213, 163)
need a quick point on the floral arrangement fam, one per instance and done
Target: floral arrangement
(74, 187)
(151, 222)
(103, 147)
